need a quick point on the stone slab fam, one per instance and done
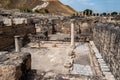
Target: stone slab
(107, 73)
(101, 61)
(109, 77)
(98, 55)
(103, 64)
(82, 70)
(105, 68)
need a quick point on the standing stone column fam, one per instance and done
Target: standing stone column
(17, 44)
(89, 13)
(82, 13)
(21, 42)
(92, 14)
(72, 34)
(99, 14)
(96, 14)
(85, 14)
(110, 13)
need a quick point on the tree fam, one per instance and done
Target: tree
(43, 11)
(104, 13)
(73, 14)
(25, 10)
(97, 14)
(108, 14)
(46, 11)
(37, 11)
(88, 12)
(114, 13)
(94, 14)
(29, 10)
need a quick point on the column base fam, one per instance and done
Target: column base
(72, 46)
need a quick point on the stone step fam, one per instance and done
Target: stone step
(107, 73)
(98, 55)
(101, 61)
(109, 77)
(103, 64)
(105, 68)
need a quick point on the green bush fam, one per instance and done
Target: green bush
(25, 10)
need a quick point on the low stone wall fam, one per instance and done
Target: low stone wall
(7, 33)
(107, 39)
(14, 66)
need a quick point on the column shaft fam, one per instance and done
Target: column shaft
(72, 34)
(17, 44)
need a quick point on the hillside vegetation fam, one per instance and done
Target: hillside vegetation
(53, 7)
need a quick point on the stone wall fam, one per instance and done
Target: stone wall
(53, 26)
(7, 33)
(107, 39)
(14, 66)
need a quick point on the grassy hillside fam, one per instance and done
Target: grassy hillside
(11, 4)
(57, 6)
(53, 7)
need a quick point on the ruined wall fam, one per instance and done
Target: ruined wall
(7, 33)
(52, 26)
(107, 39)
(14, 66)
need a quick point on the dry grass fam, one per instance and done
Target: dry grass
(55, 6)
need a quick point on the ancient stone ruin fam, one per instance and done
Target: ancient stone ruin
(60, 48)
(107, 40)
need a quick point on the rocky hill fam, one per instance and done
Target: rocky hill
(53, 6)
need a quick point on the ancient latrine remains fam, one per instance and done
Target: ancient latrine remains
(60, 43)
(107, 40)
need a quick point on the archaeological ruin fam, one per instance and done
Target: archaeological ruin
(56, 47)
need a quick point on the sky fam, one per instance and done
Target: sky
(95, 5)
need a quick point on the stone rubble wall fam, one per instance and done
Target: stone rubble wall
(7, 33)
(52, 26)
(8, 21)
(14, 66)
(106, 37)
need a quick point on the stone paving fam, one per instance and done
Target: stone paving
(82, 70)
(52, 55)
(102, 64)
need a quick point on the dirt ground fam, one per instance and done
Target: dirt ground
(51, 57)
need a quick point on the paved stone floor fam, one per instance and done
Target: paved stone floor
(49, 59)
(82, 70)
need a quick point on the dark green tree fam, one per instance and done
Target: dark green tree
(37, 11)
(114, 13)
(28, 10)
(97, 14)
(94, 14)
(43, 11)
(108, 14)
(25, 10)
(104, 14)
(88, 12)
(46, 11)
